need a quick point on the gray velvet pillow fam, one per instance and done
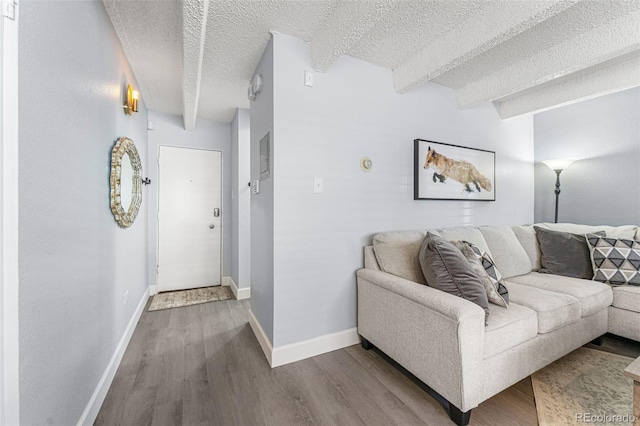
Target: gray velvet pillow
(564, 253)
(447, 269)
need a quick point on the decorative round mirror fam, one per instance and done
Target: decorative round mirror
(126, 182)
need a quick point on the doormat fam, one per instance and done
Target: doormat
(176, 299)
(585, 386)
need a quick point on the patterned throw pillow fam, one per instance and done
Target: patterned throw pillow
(497, 293)
(615, 261)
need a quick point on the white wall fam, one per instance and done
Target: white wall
(353, 111)
(75, 262)
(169, 131)
(262, 204)
(9, 271)
(603, 186)
(241, 199)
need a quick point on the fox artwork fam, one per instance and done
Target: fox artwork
(458, 170)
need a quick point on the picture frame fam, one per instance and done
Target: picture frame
(444, 171)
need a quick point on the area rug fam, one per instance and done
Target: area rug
(176, 299)
(585, 386)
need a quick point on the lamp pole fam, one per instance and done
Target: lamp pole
(558, 166)
(557, 191)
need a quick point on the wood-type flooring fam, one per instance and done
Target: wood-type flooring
(202, 365)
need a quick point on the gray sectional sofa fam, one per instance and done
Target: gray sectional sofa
(442, 339)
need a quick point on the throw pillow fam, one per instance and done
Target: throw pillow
(615, 261)
(446, 268)
(482, 262)
(563, 253)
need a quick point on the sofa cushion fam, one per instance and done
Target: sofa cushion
(506, 251)
(445, 268)
(623, 231)
(627, 297)
(593, 296)
(489, 275)
(464, 233)
(397, 253)
(554, 310)
(507, 328)
(564, 253)
(527, 236)
(615, 261)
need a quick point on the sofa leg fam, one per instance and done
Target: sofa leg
(458, 417)
(366, 345)
(598, 341)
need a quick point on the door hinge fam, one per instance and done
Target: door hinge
(9, 9)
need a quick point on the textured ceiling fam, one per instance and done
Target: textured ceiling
(195, 57)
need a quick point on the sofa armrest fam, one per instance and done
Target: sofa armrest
(446, 304)
(435, 335)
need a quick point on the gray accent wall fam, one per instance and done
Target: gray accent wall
(240, 199)
(262, 204)
(75, 262)
(168, 130)
(323, 131)
(603, 187)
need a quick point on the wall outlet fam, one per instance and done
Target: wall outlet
(126, 296)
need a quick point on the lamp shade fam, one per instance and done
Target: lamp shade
(556, 165)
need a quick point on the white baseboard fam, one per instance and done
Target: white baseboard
(93, 407)
(265, 344)
(153, 290)
(226, 281)
(319, 345)
(306, 349)
(239, 293)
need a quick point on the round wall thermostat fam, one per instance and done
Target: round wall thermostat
(366, 164)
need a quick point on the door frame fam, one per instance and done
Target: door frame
(9, 285)
(222, 215)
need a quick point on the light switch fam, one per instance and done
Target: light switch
(318, 185)
(308, 78)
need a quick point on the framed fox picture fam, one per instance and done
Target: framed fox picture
(451, 172)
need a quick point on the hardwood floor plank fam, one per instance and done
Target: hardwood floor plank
(342, 365)
(167, 414)
(139, 407)
(408, 392)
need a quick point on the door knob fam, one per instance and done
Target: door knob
(211, 226)
(216, 212)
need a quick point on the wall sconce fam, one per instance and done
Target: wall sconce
(558, 166)
(255, 87)
(131, 103)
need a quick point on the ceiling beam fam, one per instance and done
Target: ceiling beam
(615, 38)
(349, 22)
(496, 23)
(574, 88)
(194, 20)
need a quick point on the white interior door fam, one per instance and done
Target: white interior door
(189, 218)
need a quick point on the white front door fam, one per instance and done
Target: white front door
(189, 218)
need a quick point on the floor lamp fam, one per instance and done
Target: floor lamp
(558, 166)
